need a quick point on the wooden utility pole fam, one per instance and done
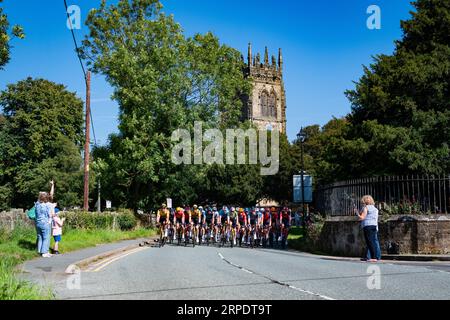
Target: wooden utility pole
(87, 142)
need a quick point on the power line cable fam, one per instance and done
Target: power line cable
(77, 49)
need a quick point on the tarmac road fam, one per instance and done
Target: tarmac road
(179, 273)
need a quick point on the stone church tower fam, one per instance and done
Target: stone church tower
(266, 106)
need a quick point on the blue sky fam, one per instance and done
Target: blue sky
(324, 42)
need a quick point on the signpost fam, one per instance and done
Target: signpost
(298, 191)
(303, 192)
(169, 203)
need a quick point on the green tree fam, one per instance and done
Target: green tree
(41, 133)
(162, 81)
(279, 187)
(401, 105)
(6, 33)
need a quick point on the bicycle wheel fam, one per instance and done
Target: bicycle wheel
(161, 236)
(186, 237)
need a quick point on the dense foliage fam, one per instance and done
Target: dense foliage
(6, 34)
(163, 82)
(41, 133)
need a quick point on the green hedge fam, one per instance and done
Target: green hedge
(124, 220)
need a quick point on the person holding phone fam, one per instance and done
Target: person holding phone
(369, 220)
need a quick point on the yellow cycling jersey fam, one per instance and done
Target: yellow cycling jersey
(164, 213)
(196, 213)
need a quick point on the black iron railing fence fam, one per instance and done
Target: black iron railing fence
(394, 194)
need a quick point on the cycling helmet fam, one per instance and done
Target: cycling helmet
(233, 209)
(273, 209)
(262, 210)
(163, 205)
(195, 206)
(214, 209)
(200, 208)
(241, 210)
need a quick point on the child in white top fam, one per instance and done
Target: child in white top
(57, 224)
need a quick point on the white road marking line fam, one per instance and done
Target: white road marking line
(245, 270)
(312, 293)
(109, 261)
(105, 260)
(280, 283)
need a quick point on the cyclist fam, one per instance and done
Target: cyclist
(217, 221)
(266, 223)
(173, 223)
(224, 221)
(275, 216)
(242, 218)
(241, 223)
(260, 217)
(232, 222)
(224, 213)
(253, 221)
(196, 220)
(187, 219)
(285, 220)
(179, 221)
(208, 223)
(163, 218)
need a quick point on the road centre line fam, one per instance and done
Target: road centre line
(275, 281)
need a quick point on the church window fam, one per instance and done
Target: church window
(264, 104)
(272, 105)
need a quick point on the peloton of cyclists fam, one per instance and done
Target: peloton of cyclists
(236, 223)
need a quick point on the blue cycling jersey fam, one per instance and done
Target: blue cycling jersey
(223, 213)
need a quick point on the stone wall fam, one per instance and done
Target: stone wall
(10, 219)
(398, 235)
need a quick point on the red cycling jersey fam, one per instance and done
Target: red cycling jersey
(275, 215)
(285, 216)
(179, 214)
(267, 216)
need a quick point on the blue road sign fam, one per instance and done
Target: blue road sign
(308, 182)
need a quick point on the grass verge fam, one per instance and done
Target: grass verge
(296, 238)
(19, 245)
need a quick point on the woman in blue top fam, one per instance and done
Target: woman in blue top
(369, 220)
(43, 222)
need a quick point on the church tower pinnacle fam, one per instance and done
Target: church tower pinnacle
(266, 105)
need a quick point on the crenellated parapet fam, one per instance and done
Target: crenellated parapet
(266, 107)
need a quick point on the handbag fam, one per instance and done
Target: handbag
(32, 213)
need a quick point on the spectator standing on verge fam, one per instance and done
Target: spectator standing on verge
(369, 220)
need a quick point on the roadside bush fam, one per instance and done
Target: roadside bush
(308, 239)
(313, 232)
(126, 221)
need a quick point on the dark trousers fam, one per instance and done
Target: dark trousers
(373, 245)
